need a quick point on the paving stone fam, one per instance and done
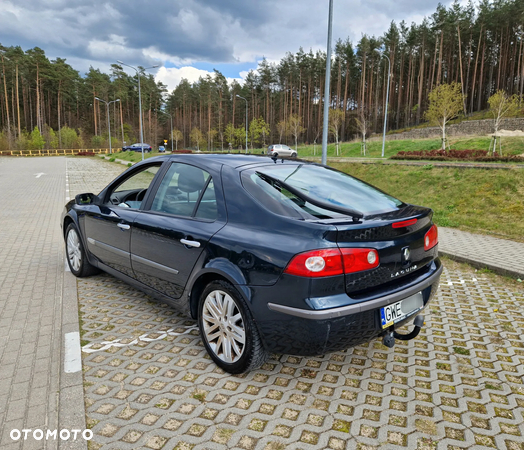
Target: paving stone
(457, 385)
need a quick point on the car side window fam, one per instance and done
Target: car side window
(131, 192)
(186, 191)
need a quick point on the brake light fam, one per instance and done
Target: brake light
(334, 261)
(431, 238)
(405, 223)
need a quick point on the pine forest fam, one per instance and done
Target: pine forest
(48, 104)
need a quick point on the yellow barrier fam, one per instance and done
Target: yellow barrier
(53, 152)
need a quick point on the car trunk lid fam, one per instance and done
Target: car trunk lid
(397, 236)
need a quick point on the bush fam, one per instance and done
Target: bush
(455, 155)
(182, 151)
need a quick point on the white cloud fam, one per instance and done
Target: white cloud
(171, 76)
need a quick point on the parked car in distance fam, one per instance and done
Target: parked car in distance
(281, 150)
(294, 258)
(161, 149)
(137, 148)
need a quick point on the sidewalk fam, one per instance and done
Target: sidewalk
(405, 162)
(499, 255)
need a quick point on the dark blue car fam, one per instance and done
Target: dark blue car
(146, 148)
(269, 255)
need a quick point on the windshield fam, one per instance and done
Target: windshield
(319, 183)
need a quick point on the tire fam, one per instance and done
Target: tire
(228, 330)
(293, 155)
(76, 255)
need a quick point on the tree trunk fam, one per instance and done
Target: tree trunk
(58, 110)
(440, 57)
(475, 72)
(481, 76)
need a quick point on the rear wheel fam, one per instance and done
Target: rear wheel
(76, 255)
(228, 330)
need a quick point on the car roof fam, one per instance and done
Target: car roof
(227, 159)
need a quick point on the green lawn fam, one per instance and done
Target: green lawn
(486, 201)
(510, 146)
(133, 157)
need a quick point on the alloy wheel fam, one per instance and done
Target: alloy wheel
(223, 326)
(74, 250)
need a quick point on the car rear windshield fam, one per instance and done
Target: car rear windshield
(319, 183)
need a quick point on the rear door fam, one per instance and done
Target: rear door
(168, 238)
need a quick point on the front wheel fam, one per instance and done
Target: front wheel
(76, 255)
(228, 330)
(293, 155)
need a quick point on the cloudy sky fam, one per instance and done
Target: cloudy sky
(189, 38)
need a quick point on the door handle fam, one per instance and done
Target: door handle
(123, 226)
(190, 243)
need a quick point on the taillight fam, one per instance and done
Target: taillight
(359, 259)
(431, 238)
(316, 263)
(330, 262)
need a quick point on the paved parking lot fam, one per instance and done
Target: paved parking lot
(458, 384)
(149, 383)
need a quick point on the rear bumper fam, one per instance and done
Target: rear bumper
(303, 332)
(359, 307)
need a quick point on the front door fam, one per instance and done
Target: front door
(108, 226)
(168, 239)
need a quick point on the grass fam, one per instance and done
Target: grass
(477, 200)
(510, 146)
(132, 157)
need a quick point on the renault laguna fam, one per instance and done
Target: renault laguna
(268, 255)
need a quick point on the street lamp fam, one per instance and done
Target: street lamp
(387, 101)
(326, 86)
(139, 101)
(246, 117)
(108, 120)
(163, 112)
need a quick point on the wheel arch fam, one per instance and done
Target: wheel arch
(218, 269)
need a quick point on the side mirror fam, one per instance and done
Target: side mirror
(86, 199)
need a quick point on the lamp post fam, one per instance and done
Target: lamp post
(163, 112)
(108, 119)
(326, 87)
(139, 100)
(246, 117)
(387, 101)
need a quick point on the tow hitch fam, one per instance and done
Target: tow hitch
(390, 336)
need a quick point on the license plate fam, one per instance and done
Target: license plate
(398, 311)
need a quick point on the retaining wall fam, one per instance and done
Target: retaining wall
(466, 128)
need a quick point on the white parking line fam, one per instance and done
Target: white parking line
(72, 355)
(144, 338)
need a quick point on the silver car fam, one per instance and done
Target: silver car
(281, 150)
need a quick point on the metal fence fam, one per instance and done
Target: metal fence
(53, 152)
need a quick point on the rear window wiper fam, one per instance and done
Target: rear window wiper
(353, 213)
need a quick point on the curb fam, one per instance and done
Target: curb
(71, 413)
(483, 265)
